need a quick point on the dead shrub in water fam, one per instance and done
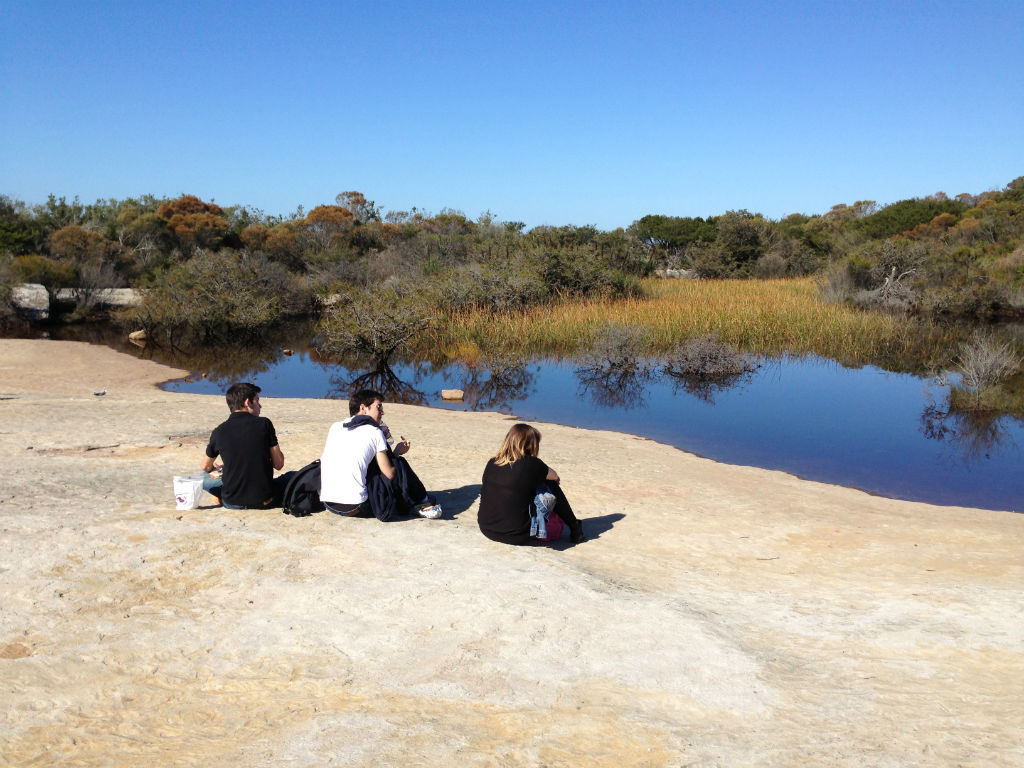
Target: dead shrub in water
(618, 349)
(705, 365)
(615, 368)
(708, 358)
(984, 363)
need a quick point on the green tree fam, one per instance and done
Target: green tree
(742, 238)
(58, 212)
(20, 232)
(904, 215)
(672, 232)
(377, 323)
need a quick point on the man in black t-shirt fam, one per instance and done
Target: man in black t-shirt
(247, 443)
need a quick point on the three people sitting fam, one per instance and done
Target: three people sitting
(362, 474)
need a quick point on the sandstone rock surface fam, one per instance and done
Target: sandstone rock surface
(718, 615)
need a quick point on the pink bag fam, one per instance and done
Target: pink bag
(555, 526)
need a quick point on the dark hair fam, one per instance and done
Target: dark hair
(238, 393)
(362, 397)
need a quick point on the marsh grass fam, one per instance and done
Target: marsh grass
(766, 317)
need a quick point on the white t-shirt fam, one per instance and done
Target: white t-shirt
(347, 454)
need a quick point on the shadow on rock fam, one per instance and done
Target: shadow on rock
(455, 501)
(593, 527)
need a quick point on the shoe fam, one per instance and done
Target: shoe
(432, 512)
(576, 535)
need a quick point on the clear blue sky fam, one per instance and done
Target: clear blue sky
(543, 112)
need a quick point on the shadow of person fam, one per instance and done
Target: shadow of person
(593, 527)
(455, 501)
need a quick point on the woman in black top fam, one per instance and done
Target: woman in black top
(511, 480)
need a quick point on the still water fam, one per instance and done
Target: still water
(885, 433)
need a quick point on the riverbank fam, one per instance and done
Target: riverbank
(719, 615)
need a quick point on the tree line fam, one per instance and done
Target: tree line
(206, 270)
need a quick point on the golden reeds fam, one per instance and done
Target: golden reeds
(769, 317)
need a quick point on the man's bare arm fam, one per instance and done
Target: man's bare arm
(386, 467)
(276, 457)
(206, 464)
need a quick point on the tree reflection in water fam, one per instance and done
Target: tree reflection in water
(496, 382)
(614, 387)
(222, 364)
(704, 387)
(380, 378)
(492, 384)
(974, 435)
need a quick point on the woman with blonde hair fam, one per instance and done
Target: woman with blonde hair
(514, 480)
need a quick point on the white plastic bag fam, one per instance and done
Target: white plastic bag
(188, 489)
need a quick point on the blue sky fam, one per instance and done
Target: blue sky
(547, 113)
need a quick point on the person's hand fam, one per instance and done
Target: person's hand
(401, 448)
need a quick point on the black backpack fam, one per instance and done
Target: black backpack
(302, 494)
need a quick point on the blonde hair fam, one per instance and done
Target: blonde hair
(521, 440)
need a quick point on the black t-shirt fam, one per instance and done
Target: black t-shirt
(505, 497)
(244, 442)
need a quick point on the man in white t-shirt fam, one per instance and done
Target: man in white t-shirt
(352, 446)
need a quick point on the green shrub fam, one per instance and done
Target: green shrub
(374, 322)
(859, 268)
(217, 297)
(8, 312)
(497, 289)
(711, 261)
(584, 273)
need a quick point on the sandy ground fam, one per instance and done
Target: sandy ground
(718, 615)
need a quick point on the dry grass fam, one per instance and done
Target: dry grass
(768, 317)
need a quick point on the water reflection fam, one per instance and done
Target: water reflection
(626, 387)
(222, 365)
(382, 378)
(705, 387)
(614, 387)
(972, 435)
(227, 363)
(495, 383)
(862, 427)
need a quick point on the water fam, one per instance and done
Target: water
(885, 433)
